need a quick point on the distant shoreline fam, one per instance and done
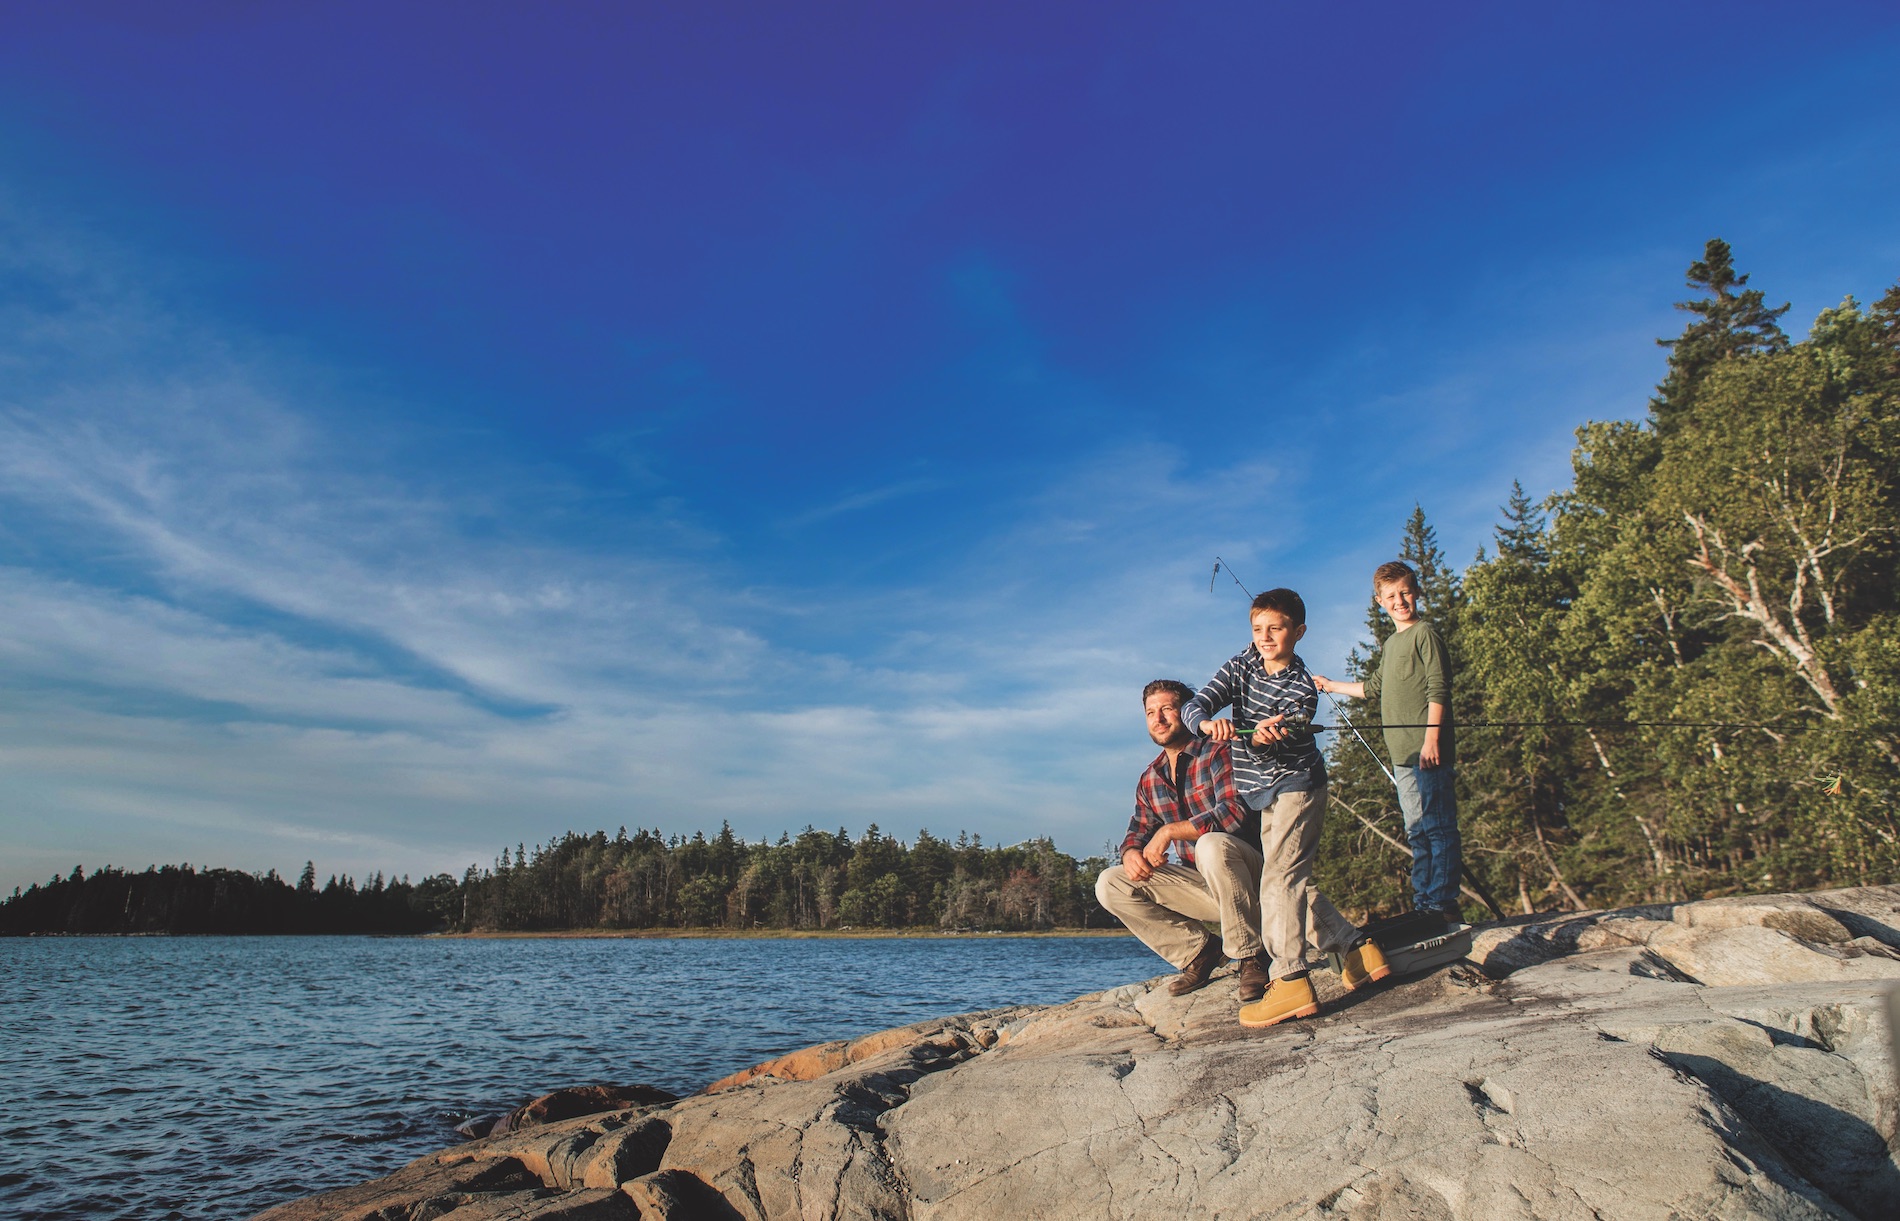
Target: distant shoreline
(769, 934)
(697, 934)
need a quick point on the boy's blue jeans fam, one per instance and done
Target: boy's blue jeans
(1431, 824)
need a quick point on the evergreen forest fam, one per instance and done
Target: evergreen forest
(818, 880)
(1678, 678)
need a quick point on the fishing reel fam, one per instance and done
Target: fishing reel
(1292, 722)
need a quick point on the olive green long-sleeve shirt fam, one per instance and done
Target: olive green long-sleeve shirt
(1414, 671)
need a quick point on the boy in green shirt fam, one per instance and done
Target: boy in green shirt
(1413, 687)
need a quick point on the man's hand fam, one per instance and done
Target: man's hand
(1156, 853)
(1136, 866)
(1267, 732)
(1217, 731)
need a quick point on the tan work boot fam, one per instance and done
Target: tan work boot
(1286, 998)
(1253, 977)
(1195, 974)
(1361, 965)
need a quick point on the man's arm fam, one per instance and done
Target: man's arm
(1219, 806)
(1141, 827)
(1156, 853)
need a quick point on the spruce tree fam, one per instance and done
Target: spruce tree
(1731, 321)
(1521, 535)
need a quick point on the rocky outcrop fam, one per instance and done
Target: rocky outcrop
(570, 1103)
(1718, 1059)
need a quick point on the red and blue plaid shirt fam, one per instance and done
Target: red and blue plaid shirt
(1205, 797)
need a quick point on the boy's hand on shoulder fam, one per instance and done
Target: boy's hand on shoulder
(1217, 731)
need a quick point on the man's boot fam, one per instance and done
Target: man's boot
(1195, 974)
(1361, 965)
(1253, 977)
(1286, 998)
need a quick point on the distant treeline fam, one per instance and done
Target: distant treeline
(818, 880)
(180, 899)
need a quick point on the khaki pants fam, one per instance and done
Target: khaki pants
(1296, 920)
(1167, 910)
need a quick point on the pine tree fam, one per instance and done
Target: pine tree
(1439, 589)
(1731, 321)
(1520, 536)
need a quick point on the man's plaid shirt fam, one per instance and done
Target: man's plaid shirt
(1205, 798)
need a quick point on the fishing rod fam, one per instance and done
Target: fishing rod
(1472, 884)
(1215, 575)
(1296, 725)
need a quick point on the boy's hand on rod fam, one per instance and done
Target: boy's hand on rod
(1268, 731)
(1218, 731)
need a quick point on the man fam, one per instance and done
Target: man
(1186, 798)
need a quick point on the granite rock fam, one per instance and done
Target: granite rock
(1720, 1059)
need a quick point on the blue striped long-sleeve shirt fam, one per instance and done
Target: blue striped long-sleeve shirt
(1262, 773)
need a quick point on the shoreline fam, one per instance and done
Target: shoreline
(690, 934)
(767, 934)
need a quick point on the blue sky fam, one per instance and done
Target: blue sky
(427, 427)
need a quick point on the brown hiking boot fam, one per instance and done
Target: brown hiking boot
(1286, 998)
(1195, 974)
(1253, 977)
(1361, 965)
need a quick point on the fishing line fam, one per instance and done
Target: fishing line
(1214, 576)
(1310, 727)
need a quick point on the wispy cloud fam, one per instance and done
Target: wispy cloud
(861, 500)
(252, 628)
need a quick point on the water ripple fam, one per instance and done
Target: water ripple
(211, 1077)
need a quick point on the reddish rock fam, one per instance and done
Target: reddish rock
(577, 1101)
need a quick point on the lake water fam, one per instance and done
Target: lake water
(211, 1077)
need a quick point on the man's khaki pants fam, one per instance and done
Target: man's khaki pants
(1295, 918)
(1168, 909)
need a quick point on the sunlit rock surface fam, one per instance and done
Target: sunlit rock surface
(1720, 1059)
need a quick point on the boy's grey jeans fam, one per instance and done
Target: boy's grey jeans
(1167, 911)
(1297, 922)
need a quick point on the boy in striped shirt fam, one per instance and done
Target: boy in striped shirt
(1279, 772)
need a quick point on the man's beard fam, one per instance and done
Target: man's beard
(1179, 737)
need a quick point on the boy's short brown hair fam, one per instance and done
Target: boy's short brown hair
(1285, 601)
(1391, 573)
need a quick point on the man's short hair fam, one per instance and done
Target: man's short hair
(1391, 573)
(1285, 601)
(1174, 687)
